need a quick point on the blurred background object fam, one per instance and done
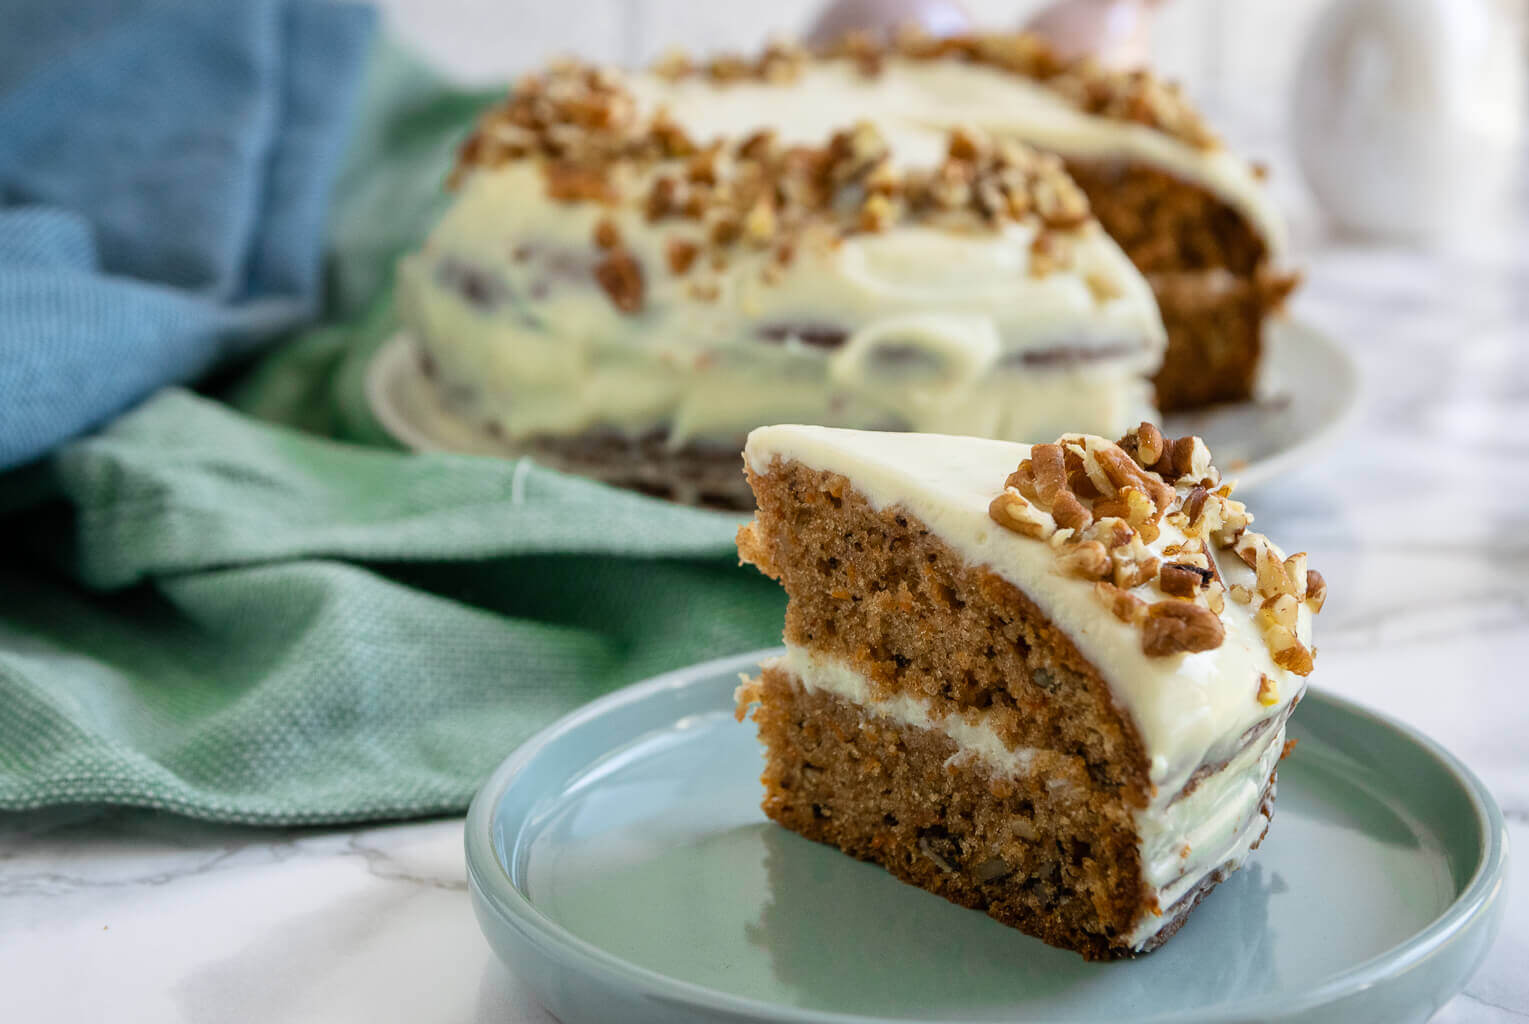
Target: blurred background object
(1239, 57)
(1409, 115)
(1118, 33)
(881, 17)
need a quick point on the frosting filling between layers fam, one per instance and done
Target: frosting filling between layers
(1182, 839)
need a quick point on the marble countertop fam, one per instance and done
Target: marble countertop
(1419, 519)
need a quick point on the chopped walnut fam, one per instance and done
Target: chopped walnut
(1132, 572)
(1295, 572)
(1011, 511)
(681, 254)
(1070, 512)
(759, 223)
(1287, 650)
(1102, 508)
(1268, 691)
(1183, 580)
(1150, 445)
(569, 183)
(1282, 610)
(1194, 504)
(1188, 457)
(877, 213)
(1316, 590)
(1178, 627)
(621, 277)
(1273, 580)
(607, 236)
(1089, 560)
(1111, 531)
(1215, 596)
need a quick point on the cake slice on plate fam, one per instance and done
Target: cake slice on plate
(1050, 682)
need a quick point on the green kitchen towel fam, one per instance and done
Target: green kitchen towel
(236, 621)
(236, 612)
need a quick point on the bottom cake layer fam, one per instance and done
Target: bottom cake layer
(1025, 836)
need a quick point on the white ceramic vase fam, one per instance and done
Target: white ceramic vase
(1409, 115)
(1117, 33)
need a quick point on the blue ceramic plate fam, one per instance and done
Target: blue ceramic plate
(620, 865)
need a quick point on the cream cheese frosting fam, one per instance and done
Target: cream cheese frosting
(933, 331)
(1014, 325)
(960, 306)
(1190, 710)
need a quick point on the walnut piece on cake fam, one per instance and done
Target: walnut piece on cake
(1096, 500)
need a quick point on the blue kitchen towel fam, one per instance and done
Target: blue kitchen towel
(165, 171)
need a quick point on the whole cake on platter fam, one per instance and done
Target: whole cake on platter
(1050, 682)
(958, 235)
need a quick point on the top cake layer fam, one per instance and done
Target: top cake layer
(1196, 647)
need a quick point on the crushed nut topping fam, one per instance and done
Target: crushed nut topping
(582, 127)
(681, 254)
(1316, 590)
(621, 277)
(1182, 579)
(607, 235)
(1174, 627)
(1100, 506)
(1011, 511)
(1135, 96)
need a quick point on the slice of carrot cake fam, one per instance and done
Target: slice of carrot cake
(1049, 682)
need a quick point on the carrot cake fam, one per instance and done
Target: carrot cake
(960, 236)
(1049, 682)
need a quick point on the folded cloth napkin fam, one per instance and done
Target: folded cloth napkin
(165, 169)
(235, 620)
(241, 622)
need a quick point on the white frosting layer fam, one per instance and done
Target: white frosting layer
(1182, 841)
(1188, 709)
(943, 332)
(969, 731)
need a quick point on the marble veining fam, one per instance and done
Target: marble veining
(1419, 519)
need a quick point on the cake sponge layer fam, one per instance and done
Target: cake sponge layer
(1038, 849)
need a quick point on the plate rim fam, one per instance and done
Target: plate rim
(491, 882)
(1350, 382)
(380, 367)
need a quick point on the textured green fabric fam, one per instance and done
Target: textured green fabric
(244, 621)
